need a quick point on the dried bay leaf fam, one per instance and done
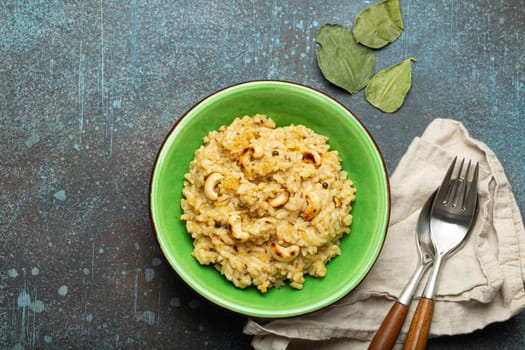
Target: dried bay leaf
(388, 88)
(379, 24)
(342, 60)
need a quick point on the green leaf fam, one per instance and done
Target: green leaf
(379, 24)
(342, 60)
(388, 88)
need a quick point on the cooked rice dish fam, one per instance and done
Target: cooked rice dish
(266, 205)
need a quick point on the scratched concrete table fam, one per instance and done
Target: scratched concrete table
(88, 90)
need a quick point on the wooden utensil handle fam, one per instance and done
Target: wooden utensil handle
(387, 333)
(420, 326)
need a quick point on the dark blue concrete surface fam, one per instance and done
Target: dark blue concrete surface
(89, 89)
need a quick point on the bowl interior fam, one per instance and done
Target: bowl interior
(285, 103)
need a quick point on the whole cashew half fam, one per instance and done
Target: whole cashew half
(234, 222)
(312, 206)
(279, 200)
(284, 254)
(312, 157)
(209, 185)
(251, 151)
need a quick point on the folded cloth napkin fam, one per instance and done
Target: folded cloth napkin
(480, 284)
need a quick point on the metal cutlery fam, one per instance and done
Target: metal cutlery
(452, 215)
(388, 332)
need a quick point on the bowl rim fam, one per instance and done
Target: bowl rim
(241, 310)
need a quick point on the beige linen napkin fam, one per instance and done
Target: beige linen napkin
(480, 284)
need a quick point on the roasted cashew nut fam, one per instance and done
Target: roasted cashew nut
(251, 151)
(312, 206)
(234, 222)
(284, 254)
(279, 200)
(209, 186)
(312, 157)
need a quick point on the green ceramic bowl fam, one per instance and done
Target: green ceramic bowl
(286, 103)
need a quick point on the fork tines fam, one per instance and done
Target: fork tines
(461, 187)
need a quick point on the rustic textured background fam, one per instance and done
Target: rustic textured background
(89, 89)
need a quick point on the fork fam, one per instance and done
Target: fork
(451, 218)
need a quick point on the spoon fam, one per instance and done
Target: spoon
(388, 332)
